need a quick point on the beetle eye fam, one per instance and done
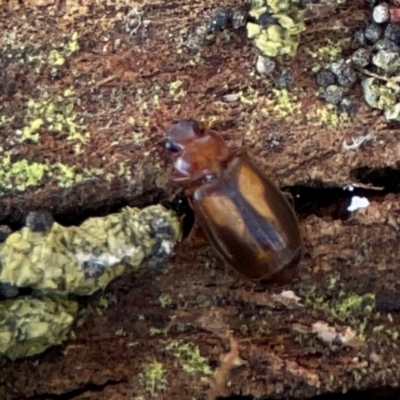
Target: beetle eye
(171, 146)
(195, 126)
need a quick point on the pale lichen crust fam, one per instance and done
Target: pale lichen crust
(29, 326)
(382, 96)
(278, 26)
(56, 261)
(81, 260)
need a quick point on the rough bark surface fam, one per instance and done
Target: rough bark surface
(197, 330)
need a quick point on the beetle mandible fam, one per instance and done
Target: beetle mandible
(245, 216)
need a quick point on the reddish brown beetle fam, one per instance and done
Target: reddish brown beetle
(249, 221)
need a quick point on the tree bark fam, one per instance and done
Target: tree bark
(196, 329)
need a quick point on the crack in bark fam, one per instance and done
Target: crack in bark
(72, 394)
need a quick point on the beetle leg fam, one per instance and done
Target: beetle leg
(180, 178)
(289, 196)
(196, 237)
(232, 277)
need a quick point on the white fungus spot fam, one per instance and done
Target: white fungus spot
(358, 202)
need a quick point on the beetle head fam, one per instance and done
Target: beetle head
(181, 133)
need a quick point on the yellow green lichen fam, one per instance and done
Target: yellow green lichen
(29, 325)
(87, 258)
(60, 53)
(55, 56)
(153, 377)
(22, 174)
(65, 175)
(165, 300)
(48, 112)
(176, 90)
(249, 98)
(155, 331)
(332, 50)
(282, 37)
(383, 96)
(328, 115)
(395, 335)
(72, 46)
(55, 114)
(253, 30)
(4, 120)
(281, 104)
(326, 54)
(189, 357)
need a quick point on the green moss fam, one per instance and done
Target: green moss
(189, 357)
(349, 304)
(153, 378)
(350, 308)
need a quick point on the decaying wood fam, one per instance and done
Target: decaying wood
(205, 330)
